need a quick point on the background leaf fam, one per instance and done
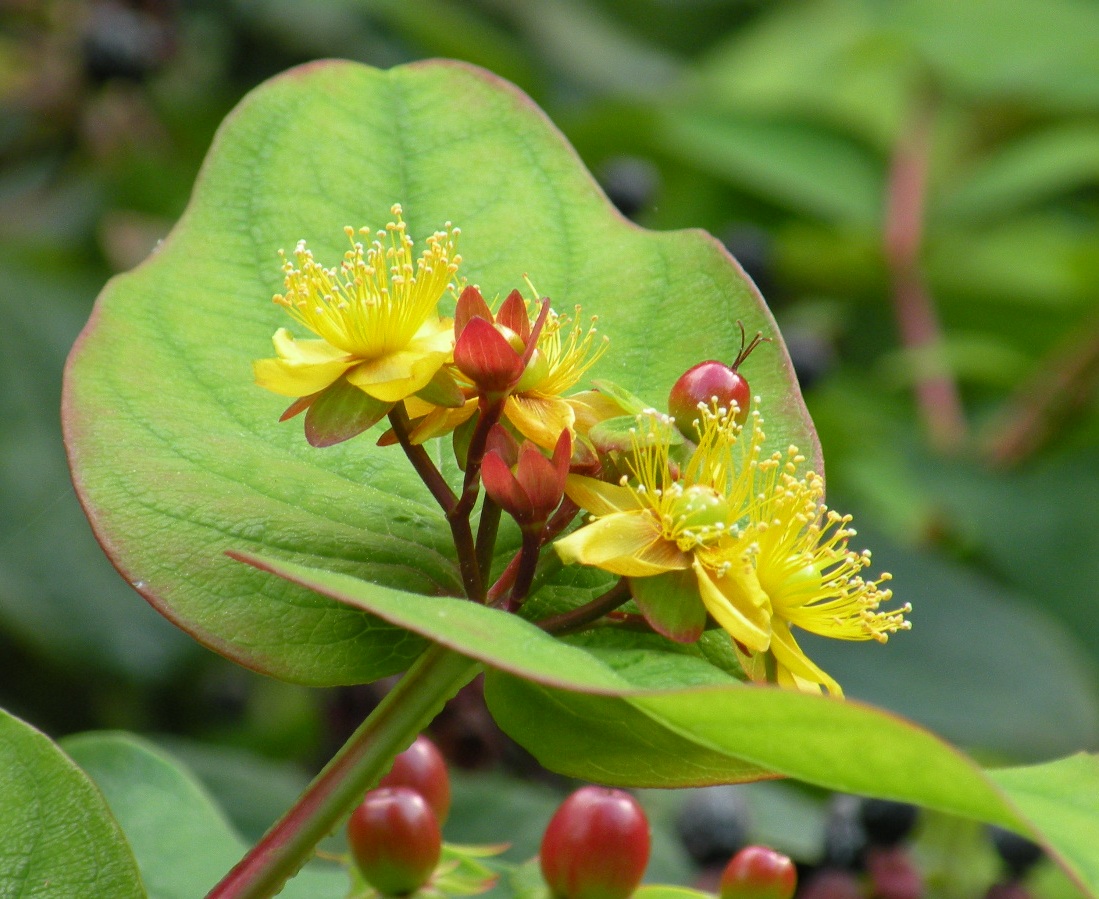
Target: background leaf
(178, 456)
(182, 841)
(59, 836)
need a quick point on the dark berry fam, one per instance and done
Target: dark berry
(1018, 853)
(422, 768)
(713, 824)
(886, 822)
(596, 845)
(757, 872)
(395, 840)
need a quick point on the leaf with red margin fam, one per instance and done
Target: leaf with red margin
(178, 456)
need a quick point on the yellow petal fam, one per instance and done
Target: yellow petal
(737, 603)
(599, 497)
(626, 543)
(441, 420)
(591, 407)
(395, 376)
(302, 366)
(539, 418)
(791, 657)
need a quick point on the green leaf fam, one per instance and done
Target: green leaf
(177, 456)
(720, 735)
(59, 836)
(601, 716)
(183, 843)
(1039, 166)
(793, 164)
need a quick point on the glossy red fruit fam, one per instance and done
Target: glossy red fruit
(395, 840)
(596, 845)
(757, 872)
(422, 768)
(712, 381)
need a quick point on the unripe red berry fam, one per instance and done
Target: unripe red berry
(705, 383)
(710, 382)
(596, 845)
(757, 872)
(422, 768)
(395, 840)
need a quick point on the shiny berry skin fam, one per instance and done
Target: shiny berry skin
(712, 381)
(422, 769)
(596, 845)
(757, 872)
(395, 840)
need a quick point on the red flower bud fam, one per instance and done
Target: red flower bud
(422, 768)
(395, 840)
(495, 352)
(712, 381)
(596, 845)
(534, 490)
(757, 872)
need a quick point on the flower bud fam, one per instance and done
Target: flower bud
(757, 872)
(395, 840)
(533, 491)
(596, 845)
(422, 768)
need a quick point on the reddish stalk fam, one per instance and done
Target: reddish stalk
(936, 392)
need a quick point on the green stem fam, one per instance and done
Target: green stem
(406, 710)
(487, 529)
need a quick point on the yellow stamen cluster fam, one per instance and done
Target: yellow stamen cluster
(801, 554)
(694, 507)
(566, 353)
(379, 297)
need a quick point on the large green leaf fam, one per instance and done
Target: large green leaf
(637, 717)
(182, 841)
(59, 837)
(177, 456)
(717, 735)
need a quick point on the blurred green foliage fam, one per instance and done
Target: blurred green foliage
(914, 186)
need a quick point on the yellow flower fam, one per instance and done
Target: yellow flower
(535, 406)
(744, 537)
(799, 549)
(665, 527)
(375, 315)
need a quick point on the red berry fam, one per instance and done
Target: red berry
(704, 383)
(757, 872)
(395, 840)
(893, 874)
(596, 845)
(422, 768)
(709, 381)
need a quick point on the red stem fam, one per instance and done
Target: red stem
(936, 392)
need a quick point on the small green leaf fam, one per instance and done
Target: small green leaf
(183, 843)
(59, 836)
(631, 404)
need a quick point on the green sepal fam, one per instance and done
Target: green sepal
(341, 411)
(671, 603)
(443, 390)
(631, 403)
(623, 433)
